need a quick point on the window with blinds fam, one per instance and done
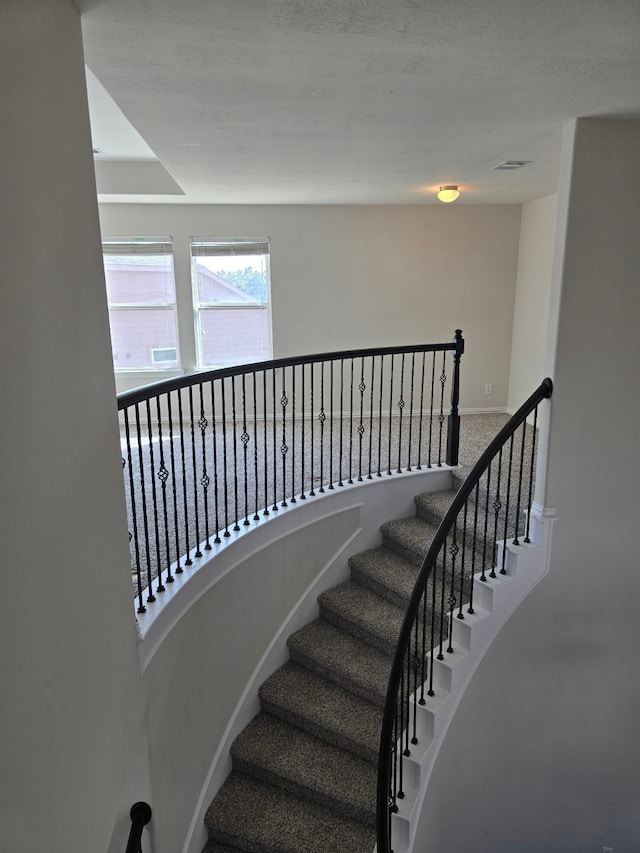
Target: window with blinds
(231, 298)
(142, 304)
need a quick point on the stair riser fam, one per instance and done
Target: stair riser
(324, 733)
(349, 810)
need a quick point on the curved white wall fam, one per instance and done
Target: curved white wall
(68, 713)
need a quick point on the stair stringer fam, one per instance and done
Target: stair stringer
(494, 602)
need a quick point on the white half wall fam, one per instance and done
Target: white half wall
(533, 290)
(345, 277)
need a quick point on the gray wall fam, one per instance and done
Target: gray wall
(344, 277)
(543, 752)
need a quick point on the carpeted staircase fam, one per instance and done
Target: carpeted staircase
(304, 770)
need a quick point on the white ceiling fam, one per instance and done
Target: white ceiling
(351, 101)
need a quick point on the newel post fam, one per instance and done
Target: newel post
(453, 425)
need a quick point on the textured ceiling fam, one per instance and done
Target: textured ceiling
(361, 101)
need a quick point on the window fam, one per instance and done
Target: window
(141, 296)
(231, 296)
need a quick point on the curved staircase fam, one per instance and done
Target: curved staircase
(304, 770)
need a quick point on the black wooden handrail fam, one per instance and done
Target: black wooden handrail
(140, 816)
(397, 711)
(209, 453)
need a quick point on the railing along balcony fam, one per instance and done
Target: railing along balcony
(208, 454)
(490, 513)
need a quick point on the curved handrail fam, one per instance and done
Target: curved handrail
(389, 730)
(206, 453)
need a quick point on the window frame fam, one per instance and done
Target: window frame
(236, 247)
(139, 246)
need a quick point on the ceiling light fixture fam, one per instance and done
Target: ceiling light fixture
(448, 194)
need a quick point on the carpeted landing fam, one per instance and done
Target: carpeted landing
(304, 770)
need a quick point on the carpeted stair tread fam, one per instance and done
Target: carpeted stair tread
(259, 818)
(386, 573)
(342, 658)
(214, 846)
(287, 757)
(314, 704)
(408, 537)
(432, 506)
(359, 611)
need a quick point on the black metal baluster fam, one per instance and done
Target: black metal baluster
(390, 417)
(379, 473)
(454, 550)
(431, 691)
(470, 609)
(419, 465)
(256, 488)
(433, 381)
(265, 511)
(407, 721)
(401, 405)
(503, 569)
(401, 733)
(497, 506)
(373, 366)
(154, 499)
(303, 443)
(462, 559)
(293, 433)
(531, 475)
(413, 366)
(234, 425)
(443, 584)
(331, 424)
(416, 667)
(174, 486)
(441, 418)
(196, 514)
(163, 476)
(362, 388)
(340, 452)
(134, 514)
(214, 442)
(145, 517)
(245, 438)
(312, 459)
(486, 524)
(517, 518)
(205, 480)
(283, 447)
(321, 418)
(225, 458)
(351, 425)
(275, 428)
(424, 671)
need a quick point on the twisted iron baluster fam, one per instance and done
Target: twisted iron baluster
(256, 516)
(154, 499)
(441, 418)
(283, 447)
(196, 519)
(293, 433)
(163, 476)
(351, 426)
(174, 487)
(401, 405)
(503, 569)
(517, 520)
(205, 480)
(497, 506)
(321, 418)
(245, 438)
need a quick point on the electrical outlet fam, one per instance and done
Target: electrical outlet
(488, 388)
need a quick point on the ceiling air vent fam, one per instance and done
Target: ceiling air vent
(510, 165)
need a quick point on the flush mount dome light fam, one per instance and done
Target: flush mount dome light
(448, 194)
